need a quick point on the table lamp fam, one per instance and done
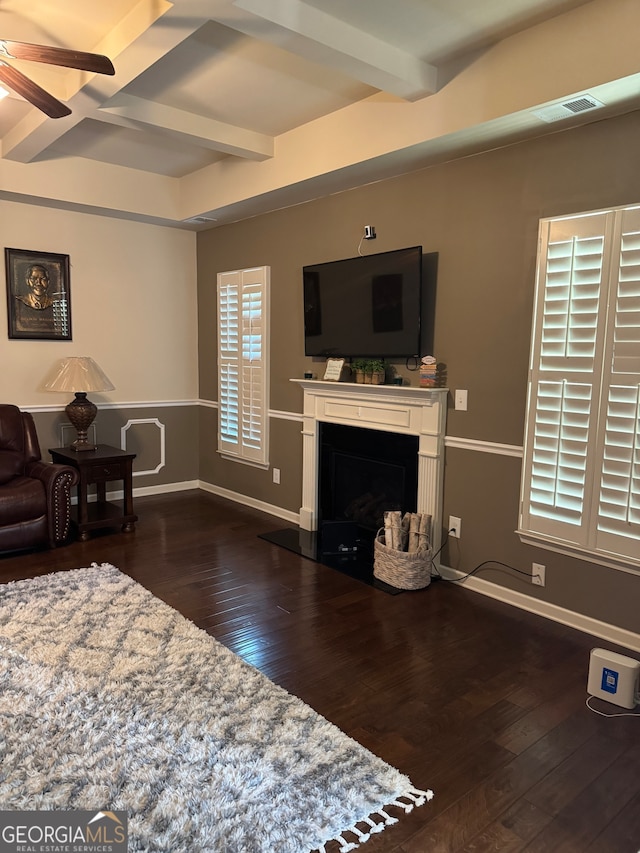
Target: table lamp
(80, 374)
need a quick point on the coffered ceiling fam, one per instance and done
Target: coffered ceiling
(223, 109)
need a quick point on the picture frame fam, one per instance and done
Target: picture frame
(333, 369)
(38, 295)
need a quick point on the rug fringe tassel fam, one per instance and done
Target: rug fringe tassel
(416, 797)
(374, 826)
(388, 819)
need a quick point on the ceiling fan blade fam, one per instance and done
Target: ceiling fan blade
(94, 62)
(33, 93)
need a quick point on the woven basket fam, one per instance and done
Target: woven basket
(399, 568)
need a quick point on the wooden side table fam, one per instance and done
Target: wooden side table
(99, 467)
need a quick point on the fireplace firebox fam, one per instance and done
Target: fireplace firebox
(364, 472)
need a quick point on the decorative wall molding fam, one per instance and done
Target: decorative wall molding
(605, 631)
(123, 442)
(125, 404)
(473, 444)
(285, 416)
(483, 446)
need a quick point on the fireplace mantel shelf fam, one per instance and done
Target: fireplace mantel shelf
(404, 409)
(425, 395)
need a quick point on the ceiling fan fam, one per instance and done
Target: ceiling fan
(29, 90)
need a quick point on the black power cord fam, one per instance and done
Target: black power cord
(412, 362)
(437, 576)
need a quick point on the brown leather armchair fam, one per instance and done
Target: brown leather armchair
(35, 496)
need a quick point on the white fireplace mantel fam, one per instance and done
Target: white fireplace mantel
(390, 408)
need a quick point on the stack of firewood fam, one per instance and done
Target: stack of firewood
(410, 532)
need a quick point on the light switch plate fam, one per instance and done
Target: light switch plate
(461, 401)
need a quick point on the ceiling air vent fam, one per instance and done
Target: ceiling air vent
(199, 220)
(558, 112)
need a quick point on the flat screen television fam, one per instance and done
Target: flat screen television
(368, 306)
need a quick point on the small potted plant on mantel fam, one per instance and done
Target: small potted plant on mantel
(359, 366)
(369, 370)
(375, 373)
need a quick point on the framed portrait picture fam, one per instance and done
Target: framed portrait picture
(38, 295)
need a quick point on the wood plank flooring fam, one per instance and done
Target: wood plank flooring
(472, 698)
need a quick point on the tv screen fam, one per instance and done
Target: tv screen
(367, 306)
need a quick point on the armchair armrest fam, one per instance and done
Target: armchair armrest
(58, 481)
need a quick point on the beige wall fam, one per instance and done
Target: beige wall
(133, 309)
(132, 305)
(481, 215)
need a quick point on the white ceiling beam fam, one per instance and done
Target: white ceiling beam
(129, 111)
(143, 37)
(318, 36)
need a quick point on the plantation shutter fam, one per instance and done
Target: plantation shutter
(563, 388)
(619, 498)
(243, 300)
(581, 471)
(228, 360)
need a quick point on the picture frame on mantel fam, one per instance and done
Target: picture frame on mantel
(333, 370)
(38, 295)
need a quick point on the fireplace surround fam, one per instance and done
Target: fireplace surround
(401, 410)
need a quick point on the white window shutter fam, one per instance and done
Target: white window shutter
(581, 471)
(619, 502)
(561, 424)
(243, 322)
(228, 362)
(563, 391)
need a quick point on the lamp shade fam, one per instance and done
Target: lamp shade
(79, 373)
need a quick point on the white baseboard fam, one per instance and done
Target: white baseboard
(166, 487)
(278, 511)
(184, 486)
(586, 624)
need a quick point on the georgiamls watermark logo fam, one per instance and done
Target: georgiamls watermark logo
(63, 832)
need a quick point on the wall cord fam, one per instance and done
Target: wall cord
(437, 576)
(603, 714)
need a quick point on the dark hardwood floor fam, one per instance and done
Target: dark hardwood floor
(472, 698)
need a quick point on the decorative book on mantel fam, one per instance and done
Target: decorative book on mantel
(433, 374)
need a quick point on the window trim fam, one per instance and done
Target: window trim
(559, 546)
(603, 381)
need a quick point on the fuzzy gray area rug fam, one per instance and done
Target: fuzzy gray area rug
(111, 699)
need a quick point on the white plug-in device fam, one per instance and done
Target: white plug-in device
(614, 678)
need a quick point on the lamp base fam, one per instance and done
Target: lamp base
(82, 445)
(81, 413)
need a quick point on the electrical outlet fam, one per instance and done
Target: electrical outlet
(276, 476)
(537, 574)
(454, 527)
